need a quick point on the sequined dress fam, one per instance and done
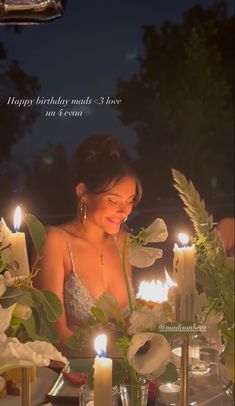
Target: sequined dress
(77, 298)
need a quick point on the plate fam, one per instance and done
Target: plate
(45, 378)
(65, 392)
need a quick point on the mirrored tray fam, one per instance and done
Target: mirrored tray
(63, 391)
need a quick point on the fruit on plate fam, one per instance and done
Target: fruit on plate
(77, 378)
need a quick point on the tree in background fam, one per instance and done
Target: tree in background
(49, 186)
(15, 122)
(180, 103)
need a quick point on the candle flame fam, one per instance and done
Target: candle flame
(17, 218)
(184, 238)
(155, 291)
(100, 345)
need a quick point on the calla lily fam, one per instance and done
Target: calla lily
(153, 361)
(141, 256)
(157, 231)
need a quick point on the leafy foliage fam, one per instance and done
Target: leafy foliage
(212, 269)
(45, 305)
(180, 102)
(37, 232)
(15, 122)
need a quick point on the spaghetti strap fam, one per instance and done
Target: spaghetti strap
(69, 250)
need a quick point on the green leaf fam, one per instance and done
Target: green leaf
(11, 296)
(99, 314)
(170, 374)
(19, 332)
(32, 298)
(43, 328)
(74, 342)
(37, 232)
(2, 265)
(120, 372)
(51, 304)
(30, 327)
(109, 306)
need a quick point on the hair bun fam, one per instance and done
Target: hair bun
(101, 147)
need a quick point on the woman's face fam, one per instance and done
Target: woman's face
(109, 209)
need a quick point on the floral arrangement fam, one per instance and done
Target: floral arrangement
(143, 342)
(27, 315)
(213, 270)
(143, 346)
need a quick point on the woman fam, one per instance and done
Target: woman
(82, 259)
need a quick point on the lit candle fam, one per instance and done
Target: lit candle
(102, 374)
(169, 394)
(184, 266)
(18, 246)
(155, 291)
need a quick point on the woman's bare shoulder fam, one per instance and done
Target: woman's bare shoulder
(54, 235)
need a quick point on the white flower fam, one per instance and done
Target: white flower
(143, 257)
(145, 318)
(2, 285)
(157, 231)
(15, 354)
(153, 361)
(22, 311)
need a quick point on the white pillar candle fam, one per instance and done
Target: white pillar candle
(169, 394)
(18, 246)
(184, 266)
(102, 374)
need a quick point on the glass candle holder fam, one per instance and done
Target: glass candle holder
(169, 394)
(87, 396)
(134, 394)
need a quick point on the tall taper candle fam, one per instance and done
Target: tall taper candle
(18, 246)
(102, 374)
(184, 266)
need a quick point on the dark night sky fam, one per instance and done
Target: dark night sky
(83, 54)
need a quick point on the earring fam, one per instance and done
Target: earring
(125, 219)
(82, 212)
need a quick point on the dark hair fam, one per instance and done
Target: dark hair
(100, 160)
